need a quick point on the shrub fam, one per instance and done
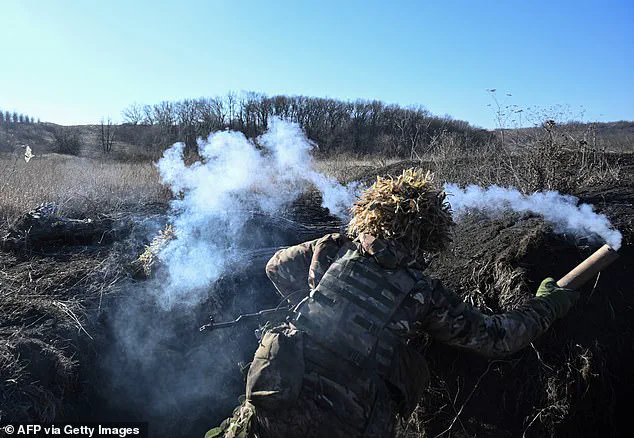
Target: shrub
(67, 142)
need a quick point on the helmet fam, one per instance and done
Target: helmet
(410, 209)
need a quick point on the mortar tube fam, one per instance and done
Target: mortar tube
(590, 267)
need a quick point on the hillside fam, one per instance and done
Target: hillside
(140, 142)
(44, 138)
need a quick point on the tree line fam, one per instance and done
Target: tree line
(360, 127)
(15, 117)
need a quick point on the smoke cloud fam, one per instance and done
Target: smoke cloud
(238, 176)
(563, 211)
(218, 195)
(159, 367)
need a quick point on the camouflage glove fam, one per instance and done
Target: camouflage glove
(559, 298)
(243, 424)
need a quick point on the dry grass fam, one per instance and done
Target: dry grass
(77, 185)
(43, 326)
(345, 168)
(547, 159)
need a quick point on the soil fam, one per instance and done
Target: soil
(572, 381)
(82, 340)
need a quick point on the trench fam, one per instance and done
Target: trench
(147, 363)
(144, 363)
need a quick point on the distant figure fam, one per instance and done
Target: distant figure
(344, 364)
(28, 153)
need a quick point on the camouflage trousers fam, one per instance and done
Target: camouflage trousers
(326, 409)
(294, 388)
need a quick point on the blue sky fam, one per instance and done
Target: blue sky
(74, 62)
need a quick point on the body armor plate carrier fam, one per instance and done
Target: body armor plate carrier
(349, 310)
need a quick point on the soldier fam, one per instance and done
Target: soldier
(344, 365)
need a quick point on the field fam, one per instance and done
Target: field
(79, 186)
(83, 337)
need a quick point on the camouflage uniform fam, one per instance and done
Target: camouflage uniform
(338, 397)
(431, 308)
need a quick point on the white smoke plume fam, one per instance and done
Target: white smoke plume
(563, 211)
(236, 176)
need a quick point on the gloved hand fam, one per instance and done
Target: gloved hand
(561, 299)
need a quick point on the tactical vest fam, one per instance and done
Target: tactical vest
(348, 312)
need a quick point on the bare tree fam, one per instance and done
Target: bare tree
(210, 113)
(219, 109)
(187, 122)
(106, 136)
(231, 107)
(133, 114)
(337, 126)
(148, 115)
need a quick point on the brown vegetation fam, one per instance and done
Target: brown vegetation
(53, 298)
(360, 127)
(79, 186)
(43, 327)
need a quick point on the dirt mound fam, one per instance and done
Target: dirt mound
(42, 228)
(570, 382)
(40, 326)
(48, 287)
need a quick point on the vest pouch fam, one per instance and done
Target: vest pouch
(410, 376)
(276, 373)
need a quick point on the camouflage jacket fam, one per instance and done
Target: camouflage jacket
(430, 307)
(336, 399)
